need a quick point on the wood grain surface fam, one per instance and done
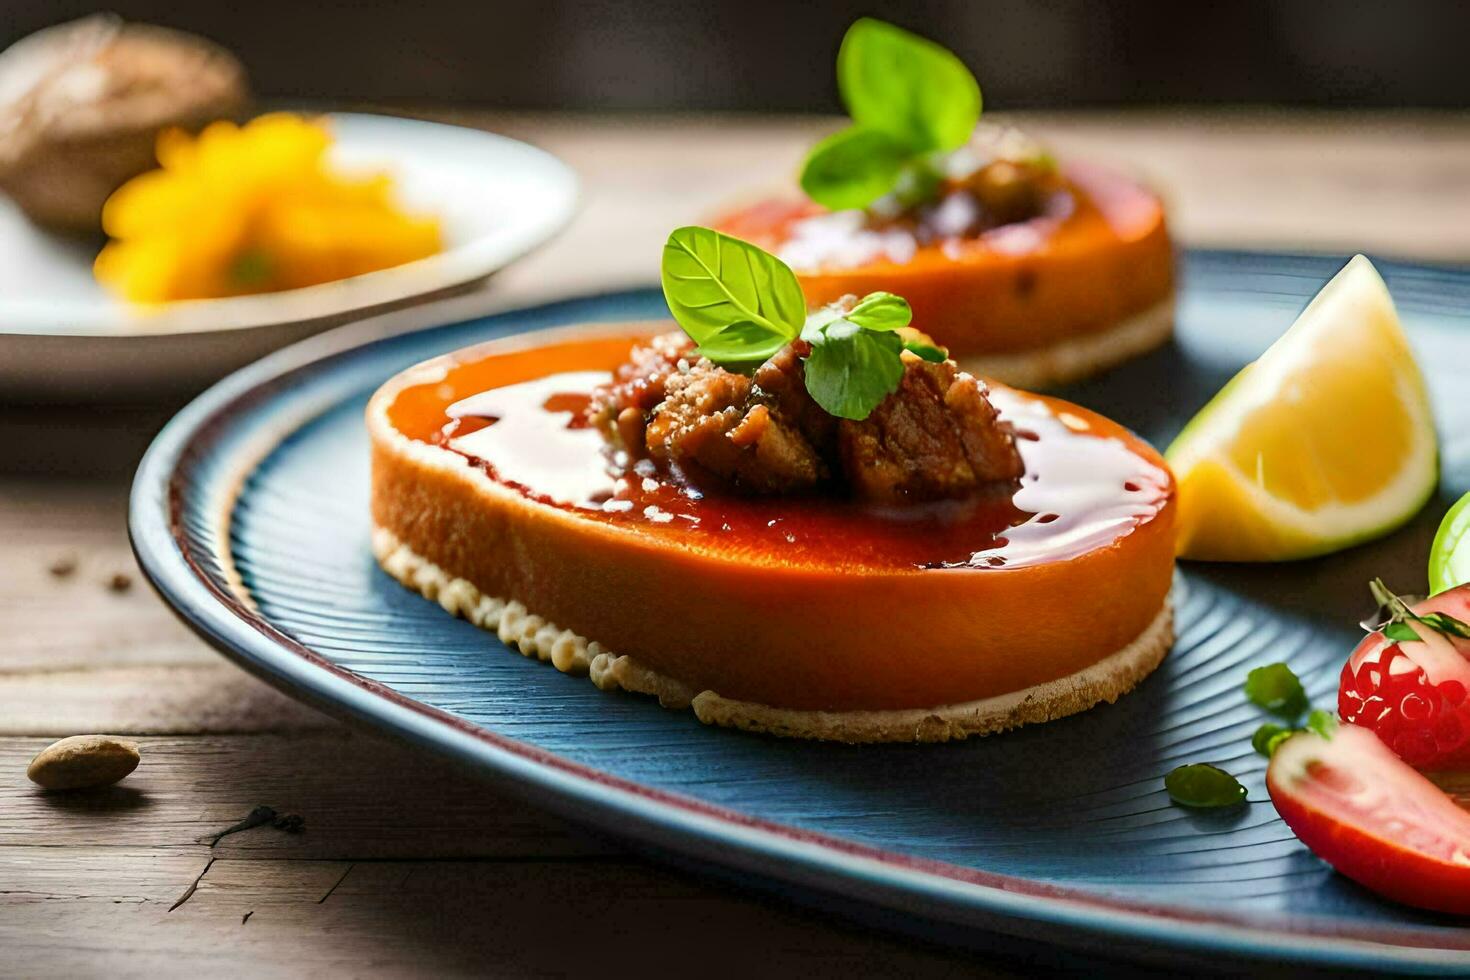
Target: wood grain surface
(407, 867)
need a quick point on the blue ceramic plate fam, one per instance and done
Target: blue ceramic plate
(250, 516)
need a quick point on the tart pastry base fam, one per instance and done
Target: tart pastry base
(517, 627)
(1078, 357)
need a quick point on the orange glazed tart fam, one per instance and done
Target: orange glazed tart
(1082, 282)
(953, 560)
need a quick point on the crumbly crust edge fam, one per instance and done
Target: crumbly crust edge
(1078, 357)
(570, 653)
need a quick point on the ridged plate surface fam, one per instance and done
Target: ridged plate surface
(250, 514)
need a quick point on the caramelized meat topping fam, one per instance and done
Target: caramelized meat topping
(1000, 177)
(1008, 191)
(716, 423)
(936, 437)
(639, 382)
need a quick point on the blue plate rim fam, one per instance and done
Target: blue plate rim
(949, 893)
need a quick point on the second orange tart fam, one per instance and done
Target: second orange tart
(1082, 281)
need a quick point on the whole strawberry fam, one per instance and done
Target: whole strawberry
(1408, 680)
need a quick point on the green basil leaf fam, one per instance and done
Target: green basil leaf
(1267, 737)
(851, 370)
(880, 311)
(712, 281)
(1204, 786)
(918, 343)
(1323, 722)
(853, 168)
(906, 86)
(919, 181)
(1401, 632)
(743, 343)
(817, 319)
(1275, 688)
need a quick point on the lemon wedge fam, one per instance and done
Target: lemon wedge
(1324, 442)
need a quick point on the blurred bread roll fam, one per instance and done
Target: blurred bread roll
(82, 103)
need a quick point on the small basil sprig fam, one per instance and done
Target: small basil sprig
(1276, 689)
(1323, 722)
(1394, 616)
(1269, 736)
(910, 100)
(740, 305)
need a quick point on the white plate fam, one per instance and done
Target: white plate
(62, 336)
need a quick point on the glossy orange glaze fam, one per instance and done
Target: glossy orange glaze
(795, 603)
(1100, 254)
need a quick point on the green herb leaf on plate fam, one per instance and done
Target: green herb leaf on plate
(1268, 736)
(1203, 786)
(853, 168)
(851, 370)
(906, 86)
(712, 281)
(1275, 741)
(1275, 688)
(1322, 722)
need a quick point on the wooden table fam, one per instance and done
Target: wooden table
(407, 866)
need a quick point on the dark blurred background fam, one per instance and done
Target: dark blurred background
(758, 55)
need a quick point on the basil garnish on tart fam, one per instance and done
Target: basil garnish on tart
(740, 305)
(910, 100)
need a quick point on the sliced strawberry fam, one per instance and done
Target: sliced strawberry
(1374, 819)
(1414, 694)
